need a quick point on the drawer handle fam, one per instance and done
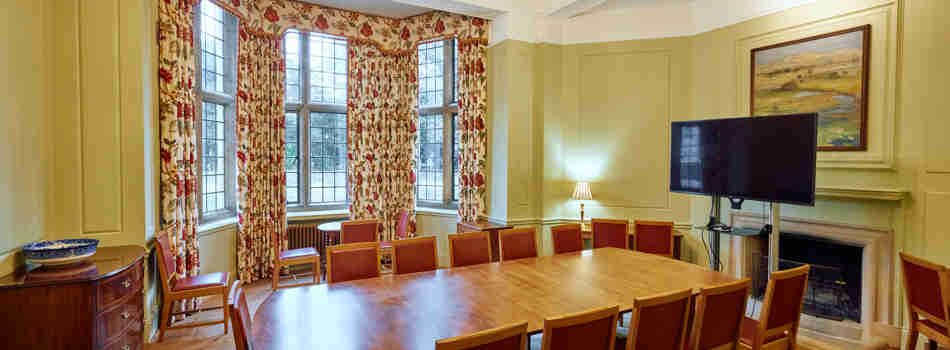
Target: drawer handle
(125, 315)
(127, 283)
(126, 347)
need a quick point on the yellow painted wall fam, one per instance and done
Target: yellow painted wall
(25, 153)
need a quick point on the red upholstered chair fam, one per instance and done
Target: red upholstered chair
(471, 248)
(402, 228)
(777, 327)
(567, 238)
(415, 255)
(359, 231)
(927, 288)
(718, 318)
(589, 330)
(654, 237)
(176, 289)
(610, 233)
(518, 243)
(292, 257)
(240, 317)
(353, 261)
(508, 337)
(657, 322)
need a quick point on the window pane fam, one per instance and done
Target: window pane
(292, 58)
(327, 69)
(212, 146)
(455, 69)
(292, 157)
(327, 158)
(455, 157)
(429, 159)
(215, 25)
(431, 57)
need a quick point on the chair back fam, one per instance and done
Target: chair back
(167, 260)
(663, 320)
(591, 330)
(402, 229)
(359, 231)
(471, 248)
(654, 237)
(927, 289)
(240, 317)
(353, 261)
(718, 319)
(518, 243)
(610, 233)
(567, 238)
(415, 255)
(508, 337)
(782, 307)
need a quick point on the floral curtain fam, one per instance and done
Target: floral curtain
(176, 72)
(381, 134)
(262, 215)
(473, 143)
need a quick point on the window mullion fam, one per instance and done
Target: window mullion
(447, 188)
(304, 121)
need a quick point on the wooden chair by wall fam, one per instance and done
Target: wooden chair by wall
(927, 291)
(471, 248)
(567, 238)
(357, 231)
(240, 317)
(718, 318)
(177, 289)
(610, 233)
(353, 261)
(777, 326)
(293, 257)
(590, 330)
(654, 237)
(657, 322)
(518, 243)
(415, 255)
(508, 337)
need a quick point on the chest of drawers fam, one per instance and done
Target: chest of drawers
(96, 304)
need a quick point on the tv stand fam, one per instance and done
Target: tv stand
(717, 228)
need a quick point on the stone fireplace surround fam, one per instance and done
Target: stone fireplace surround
(877, 272)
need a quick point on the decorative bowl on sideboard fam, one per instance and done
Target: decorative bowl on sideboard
(60, 252)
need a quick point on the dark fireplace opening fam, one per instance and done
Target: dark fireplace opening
(834, 280)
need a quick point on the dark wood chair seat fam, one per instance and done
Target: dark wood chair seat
(215, 279)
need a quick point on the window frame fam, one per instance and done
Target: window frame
(302, 109)
(449, 111)
(230, 117)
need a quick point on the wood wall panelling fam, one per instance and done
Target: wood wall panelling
(937, 226)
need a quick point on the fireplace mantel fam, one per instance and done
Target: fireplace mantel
(889, 194)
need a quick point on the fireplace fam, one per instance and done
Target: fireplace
(834, 280)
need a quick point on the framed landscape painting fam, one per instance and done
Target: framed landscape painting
(827, 74)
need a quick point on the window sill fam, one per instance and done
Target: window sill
(317, 215)
(437, 212)
(231, 222)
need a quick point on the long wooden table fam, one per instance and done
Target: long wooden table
(413, 311)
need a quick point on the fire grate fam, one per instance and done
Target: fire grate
(828, 294)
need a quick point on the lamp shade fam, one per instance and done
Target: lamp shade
(581, 192)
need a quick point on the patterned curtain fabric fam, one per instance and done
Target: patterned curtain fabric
(176, 72)
(381, 135)
(262, 215)
(473, 145)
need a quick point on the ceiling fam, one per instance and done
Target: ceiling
(385, 8)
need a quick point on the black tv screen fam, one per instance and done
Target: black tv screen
(761, 158)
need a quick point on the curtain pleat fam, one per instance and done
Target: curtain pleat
(473, 143)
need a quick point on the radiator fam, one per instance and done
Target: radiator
(305, 236)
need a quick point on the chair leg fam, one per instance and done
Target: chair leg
(931, 344)
(316, 272)
(165, 318)
(912, 339)
(227, 310)
(275, 276)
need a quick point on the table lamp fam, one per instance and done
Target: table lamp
(582, 193)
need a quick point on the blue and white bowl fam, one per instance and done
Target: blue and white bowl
(61, 252)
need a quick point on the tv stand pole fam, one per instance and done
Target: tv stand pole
(714, 234)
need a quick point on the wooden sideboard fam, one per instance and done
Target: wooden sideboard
(95, 304)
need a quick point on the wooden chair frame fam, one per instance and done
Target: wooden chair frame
(702, 298)
(453, 237)
(636, 237)
(916, 326)
(487, 336)
(787, 341)
(516, 231)
(241, 340)
(350, 246)
(344, 224)
(665, 298)
(580, 318)
(169, 297)
(409, 241)
(626, 233)
(566, 227)
(279, 263)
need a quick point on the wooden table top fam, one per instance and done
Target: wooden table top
(413, 311)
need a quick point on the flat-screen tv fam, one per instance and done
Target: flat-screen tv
(759, 158)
